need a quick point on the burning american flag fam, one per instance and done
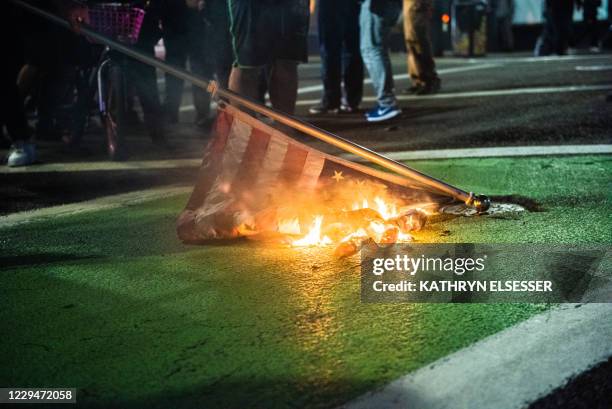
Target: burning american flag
(255, 180)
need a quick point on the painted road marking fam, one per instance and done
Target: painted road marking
(506, 151)
(488, 93)
(511, 368)
(453, 70)
(602, 67)
(550, 58)
(102, 203)
(104, 166)
(497, 58)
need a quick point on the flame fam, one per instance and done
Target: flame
(384, 230)
(291, 226)
(313, 238)
(386, 211)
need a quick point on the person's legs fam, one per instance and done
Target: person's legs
(201, 97)
(218, 39)
(374, 38)
(201, 64)
(411, 62)
(283, 85)
(562, 24)
(590, 20)
(421, 65)
(245, 81)
(506, 34)
(13, 117)
(143, 77)
(330, 45)
(176, 54)
(248, 51)
(546, 42)
(352, 64)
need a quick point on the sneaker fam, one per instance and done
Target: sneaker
(21, 154)
(379, 113)
(322, 108)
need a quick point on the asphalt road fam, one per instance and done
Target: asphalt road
(526, 101)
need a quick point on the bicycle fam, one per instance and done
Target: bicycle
(108, 77)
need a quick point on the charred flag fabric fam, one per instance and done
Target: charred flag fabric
(253, 176)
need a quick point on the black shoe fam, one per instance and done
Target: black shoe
(430, 88)
(322, 108)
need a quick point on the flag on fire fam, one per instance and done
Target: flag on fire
(255, 180)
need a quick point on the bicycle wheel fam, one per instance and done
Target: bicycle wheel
(114, 118)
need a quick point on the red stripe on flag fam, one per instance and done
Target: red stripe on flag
(251, 163)
(223, 126)
(293, 164)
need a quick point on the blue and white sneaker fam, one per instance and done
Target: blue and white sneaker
(379, 113)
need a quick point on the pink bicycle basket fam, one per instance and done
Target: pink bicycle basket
(120, 21)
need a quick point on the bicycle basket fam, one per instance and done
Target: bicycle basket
(120, 21)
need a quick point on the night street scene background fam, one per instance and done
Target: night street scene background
(200, 238)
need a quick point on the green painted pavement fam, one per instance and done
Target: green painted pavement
(111, 303)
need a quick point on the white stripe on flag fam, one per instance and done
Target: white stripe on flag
(311, 171)
(272, 164)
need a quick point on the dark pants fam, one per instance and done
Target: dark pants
(179, 49)
(219, 39)
(144, 78)
(555, 37)
(340, 56)
(589, 13)
(11, 107)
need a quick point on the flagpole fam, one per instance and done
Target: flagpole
(480, 202)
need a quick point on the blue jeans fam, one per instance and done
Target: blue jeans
(374, 43)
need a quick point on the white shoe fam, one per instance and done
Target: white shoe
(22, 154)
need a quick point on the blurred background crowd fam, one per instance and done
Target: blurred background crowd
(254, 48)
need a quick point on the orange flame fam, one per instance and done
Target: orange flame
(383, 230)
(313, 238)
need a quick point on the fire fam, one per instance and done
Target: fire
(378, 220)
(313, 238)
(291, 226)
(385, 210)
